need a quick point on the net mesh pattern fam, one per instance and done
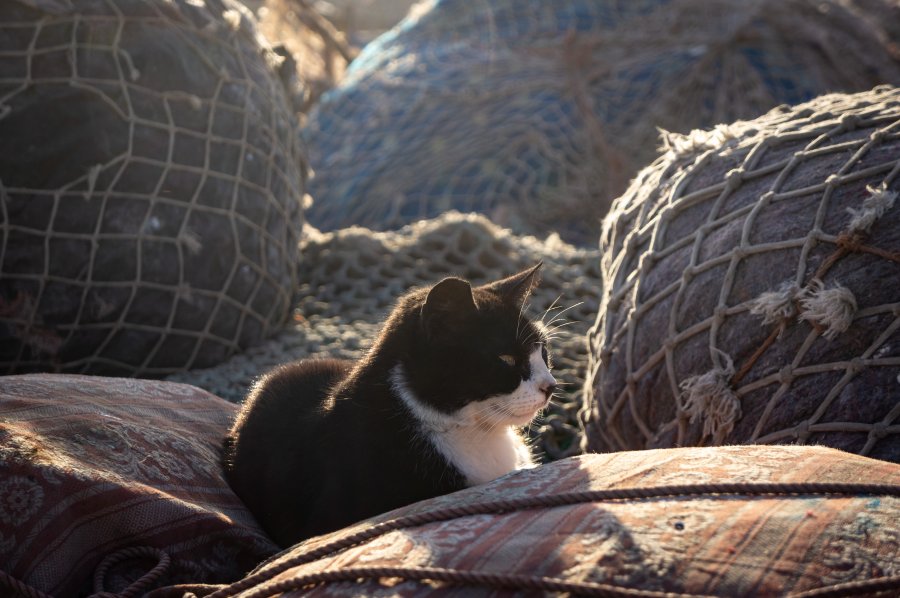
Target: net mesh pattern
(751, 287)
(350, 279)
(150, 186)
(538, 113)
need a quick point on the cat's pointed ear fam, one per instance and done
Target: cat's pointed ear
(447, 302)
(515, 289)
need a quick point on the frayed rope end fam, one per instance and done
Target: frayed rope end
(709, 396)
(778, 305)
(831, 308)
(879, 201)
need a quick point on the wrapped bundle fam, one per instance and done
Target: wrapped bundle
(750, 287)
(151, 186)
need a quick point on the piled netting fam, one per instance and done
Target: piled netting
(752, 287)
(350, 279)
(150, 186)
(538, 113)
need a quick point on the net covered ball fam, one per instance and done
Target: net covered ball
(538, 113)
(751, 287)
(151, 186)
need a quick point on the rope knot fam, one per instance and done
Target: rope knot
(786, 374)
(734, 178)
(856, 365)
(879, 430)
(878, 136)
(801, 431)
(850, 121)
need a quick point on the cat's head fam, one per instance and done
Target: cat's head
(476, 356)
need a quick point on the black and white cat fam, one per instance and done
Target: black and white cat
(434, 406)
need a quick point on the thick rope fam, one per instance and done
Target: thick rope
(533, 582)
(21, 589)
(459, 577)
(563, 499)
(143, 582)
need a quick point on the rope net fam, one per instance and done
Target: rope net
(150, 186)
(349, 280)
(751, 287)
(538, 113)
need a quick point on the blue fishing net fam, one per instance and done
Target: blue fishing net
(538, 113)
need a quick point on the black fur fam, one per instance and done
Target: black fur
(320, 444)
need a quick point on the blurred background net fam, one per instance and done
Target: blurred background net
(538, 113)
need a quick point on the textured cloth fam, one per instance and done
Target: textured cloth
(750, 287)
(706, 543)
(150, 182)
(538, 113)
(91, 466)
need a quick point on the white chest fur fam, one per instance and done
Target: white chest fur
(481, 450)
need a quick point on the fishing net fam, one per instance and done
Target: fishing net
(150, 184)
(751, 287)
(350, 279)
(538, 113)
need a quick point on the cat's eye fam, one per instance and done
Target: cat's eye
(508, 359)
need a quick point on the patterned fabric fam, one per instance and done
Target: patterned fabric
(90, 466)
(735, 545)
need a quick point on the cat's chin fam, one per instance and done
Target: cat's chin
(521, 420)
(521, 416)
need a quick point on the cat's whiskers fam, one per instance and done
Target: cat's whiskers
(520, 318)
(483, 416)
(562, 325)
(551, 308)
(558, 315)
